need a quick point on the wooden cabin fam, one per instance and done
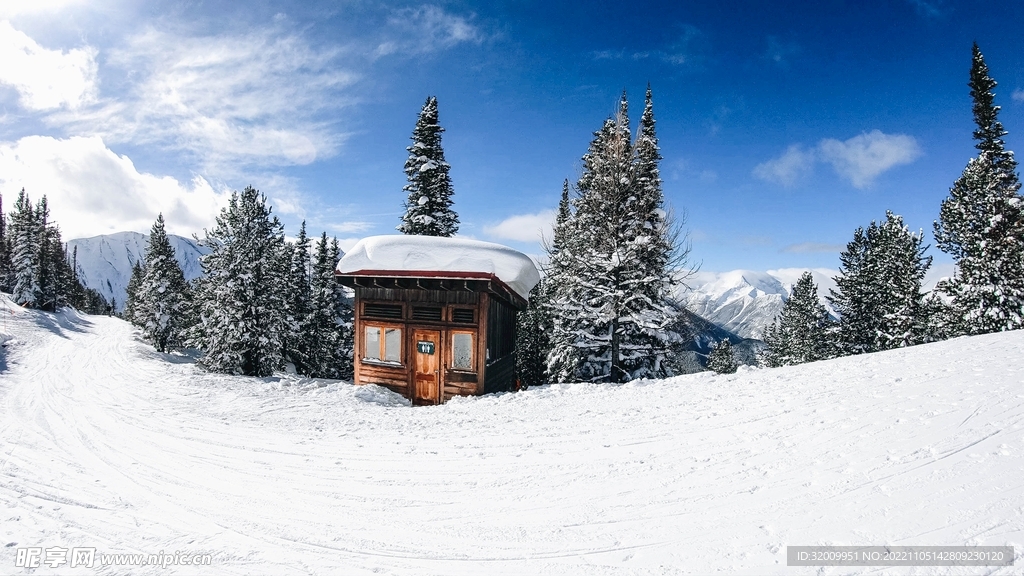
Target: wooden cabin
(436, 317)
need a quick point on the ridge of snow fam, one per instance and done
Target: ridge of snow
(408, 253)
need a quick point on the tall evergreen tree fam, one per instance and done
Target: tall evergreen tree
(329, 325)
(24, 233)
(611, 308)
(428, 209)
(344, 315)
(559, 302)
(162, 294)
(878, 295)
(5, 252)
(241, 299)
(296, 342)
(981, 224)
(800, 333)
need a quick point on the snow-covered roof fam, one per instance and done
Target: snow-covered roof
(408, 255)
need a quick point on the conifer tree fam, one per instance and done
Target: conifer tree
(162, 294)
(612, 312)
(5, 251)
(721, 358)
(24, 232)
(329, 325)
(344, 315)
(241, 299)
(132, 292)
(532, 335)
(981, 224)
(560, 305)
(878, 295)
(800, 333)
(296, 342)
(428, 209)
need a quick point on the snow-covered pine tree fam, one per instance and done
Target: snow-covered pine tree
(344, 315)
(24, 233)
(721, 358)
(561, 307)
(649, 254)
(878, 295)
(5, 251)
(131, 302)
(800, 333)
(613, 308)
(428, 209)
(532, 332)
(328, 327)
(241, 299)
(161, 297)
(981, 224)
(296, 348)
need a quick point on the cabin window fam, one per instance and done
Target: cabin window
(462, 351)
(382, 344)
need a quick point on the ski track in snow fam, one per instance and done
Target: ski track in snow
(105, 443)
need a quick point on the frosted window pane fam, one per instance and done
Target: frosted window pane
(392, 345)
(371, 346)
(462, 352)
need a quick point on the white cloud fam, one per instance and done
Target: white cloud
(524, 227)
(46, 79)
(256, 99)
(426, 29)
(12, 8)
(1018, 95)
(349, 227)
(788, 168)
(92, 190)
(814, 248)
(862, 158)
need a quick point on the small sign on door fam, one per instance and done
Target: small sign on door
(425, 347)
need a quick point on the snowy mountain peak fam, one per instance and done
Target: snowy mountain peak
(745, 302)
(105, 262)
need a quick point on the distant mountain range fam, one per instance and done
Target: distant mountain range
(105, 262)
(745, 302)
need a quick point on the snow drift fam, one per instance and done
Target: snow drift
(105, 443)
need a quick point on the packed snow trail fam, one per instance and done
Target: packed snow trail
(105, 443)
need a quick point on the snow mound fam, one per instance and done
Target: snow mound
(407, 254)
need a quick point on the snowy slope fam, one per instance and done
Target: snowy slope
(745, 302)
(105, 262)
(105, 443)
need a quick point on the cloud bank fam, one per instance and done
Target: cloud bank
(92, 190)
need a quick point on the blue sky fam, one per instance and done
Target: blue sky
(783, 126)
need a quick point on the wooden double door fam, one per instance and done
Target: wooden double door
(427, 383)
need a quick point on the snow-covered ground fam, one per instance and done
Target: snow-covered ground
(105, 443)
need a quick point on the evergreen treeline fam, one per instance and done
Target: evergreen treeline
(35, 267)
(878, 297)
(602, 312)
(262, 303)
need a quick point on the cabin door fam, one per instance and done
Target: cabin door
(427, 378)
